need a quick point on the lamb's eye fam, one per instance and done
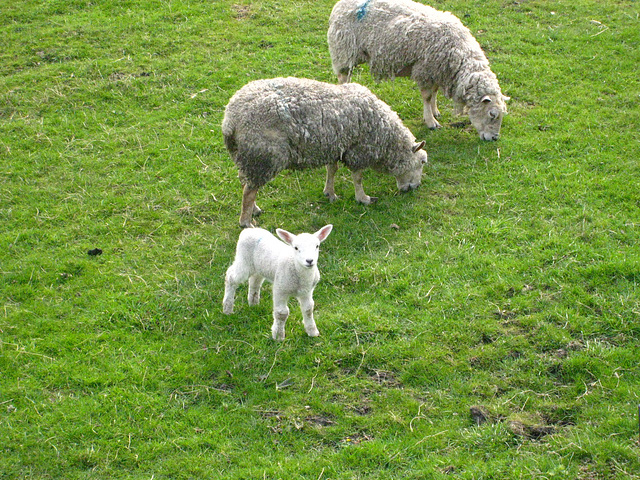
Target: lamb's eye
(296, 249)
(317, 247)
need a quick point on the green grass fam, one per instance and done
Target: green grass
(509, 280)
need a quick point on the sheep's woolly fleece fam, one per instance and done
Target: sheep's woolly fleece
(291, 123)
(405, 38)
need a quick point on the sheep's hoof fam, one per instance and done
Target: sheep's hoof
(433, 125)
(257, 211)
(331, 196)
(314, 333)
(367, 200)
(227, 310)
(246, 223)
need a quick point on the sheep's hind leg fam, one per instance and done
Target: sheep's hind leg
(249, 206)
(360, 195)
(329, 186)
(430, 110)
(255, 283)
(306, 305)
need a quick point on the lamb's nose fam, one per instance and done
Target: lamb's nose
(309, 262)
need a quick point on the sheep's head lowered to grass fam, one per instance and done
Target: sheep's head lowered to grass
(486, 114)
(411, 179)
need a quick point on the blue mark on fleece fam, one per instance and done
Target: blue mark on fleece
(362, 10)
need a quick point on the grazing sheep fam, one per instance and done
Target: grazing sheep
(292, 267)
(401, 38)
(293, 123)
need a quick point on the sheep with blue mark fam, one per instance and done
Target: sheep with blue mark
(293, 123)
(402, 38)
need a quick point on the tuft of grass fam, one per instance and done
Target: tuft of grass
(507, 284)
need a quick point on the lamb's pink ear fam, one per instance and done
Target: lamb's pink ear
(418, 146)
(285, 236)
(323, 232)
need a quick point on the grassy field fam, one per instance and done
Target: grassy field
(485, 326)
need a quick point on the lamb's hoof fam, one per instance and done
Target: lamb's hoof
(227, 310)
(313, 333)
(277, 334)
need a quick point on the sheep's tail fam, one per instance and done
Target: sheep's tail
(229, 134)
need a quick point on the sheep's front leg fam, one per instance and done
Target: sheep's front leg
(430, 110)
(329, 186)
(280, 315)
(306, 305)
(249, 206)
(360, 195)
(344, 76)
(255, 283)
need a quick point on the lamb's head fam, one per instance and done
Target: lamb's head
(411, 178)
(487, 105)
(306, 246)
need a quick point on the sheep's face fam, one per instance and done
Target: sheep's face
(411, 179)
(486, 115)
(306, 246)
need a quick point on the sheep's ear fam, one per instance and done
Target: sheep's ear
(323, 232)
(418, 146)
(285, 236)
(486, 99)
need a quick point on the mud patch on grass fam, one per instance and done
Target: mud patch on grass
(241, 11)
(386, 378)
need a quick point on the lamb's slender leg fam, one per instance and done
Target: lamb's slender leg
(255, 283)
(306, 305)
(329, 186)
(430, 110)
(280, 315)
(248, 205)
(234, 277)
(360, 195)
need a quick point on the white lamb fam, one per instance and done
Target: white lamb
(292, 268)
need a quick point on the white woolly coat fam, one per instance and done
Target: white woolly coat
(291, 123)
